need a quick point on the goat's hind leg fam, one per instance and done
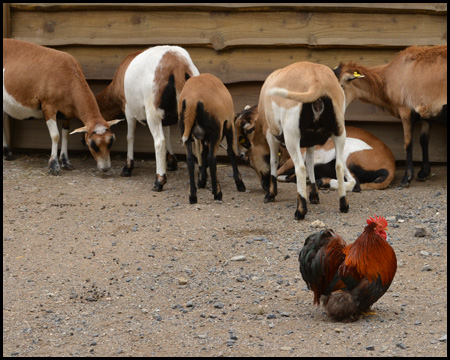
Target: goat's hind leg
(424, 141)
(7, 154)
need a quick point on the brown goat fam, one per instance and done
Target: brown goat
(40, 82)
(206, 112)
(412, 87)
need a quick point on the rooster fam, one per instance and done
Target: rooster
(348, 279)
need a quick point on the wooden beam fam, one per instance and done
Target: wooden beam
(224, 30)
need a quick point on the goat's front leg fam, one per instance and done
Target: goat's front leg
(129, 165)
(274, 147)
(313, 194)
(155, 124)
(202, 165)
(7, 154)
(232, 156)
(191, 169)
(171, 159)
(212, 162)
(405, 115)
(64, 155)
(339, 143)
(53, 163)
(424, 140)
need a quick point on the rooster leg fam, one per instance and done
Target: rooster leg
(368, 313)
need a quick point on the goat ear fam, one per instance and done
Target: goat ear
(356, 75)
(114, 122)
(79, 130)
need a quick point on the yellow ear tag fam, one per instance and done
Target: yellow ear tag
(355, 74)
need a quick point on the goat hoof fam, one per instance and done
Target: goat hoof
(66, 165)
(53, 167)
(7, 154)
(201, 184)
(240, 186)
(192, 199)
(269, 198)
(298, 215)
(172, 163)
(422, 175)
(218, 196)
(314, 198)
(126, 171)
(157, 187)
(343, 204)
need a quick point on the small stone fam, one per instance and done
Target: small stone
(317, 224)
(427, 268)
(443, 339)
(219, 305)
(182, 281)
(238, 258)
(370, 347)
(271, 316)
(420, 231)
(401, 345)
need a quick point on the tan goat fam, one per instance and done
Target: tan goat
(40, 82)
(303, 105)
(206, 113)
(412, 87)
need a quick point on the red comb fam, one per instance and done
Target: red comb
(378, 220)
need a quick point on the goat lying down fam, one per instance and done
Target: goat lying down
(40, 82)
(146, 88)
(207, 114)
(368, 159)
(303, 105)
(412, 87)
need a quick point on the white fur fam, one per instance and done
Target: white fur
(15, 109)
(140, 91)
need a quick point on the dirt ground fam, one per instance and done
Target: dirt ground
(100, 265)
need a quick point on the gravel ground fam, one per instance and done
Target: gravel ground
(100, 265)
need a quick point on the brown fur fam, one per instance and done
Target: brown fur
(208, 92)
(415, 80)
(51, 80)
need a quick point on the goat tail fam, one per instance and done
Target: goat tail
(187, 119)
(305, 97)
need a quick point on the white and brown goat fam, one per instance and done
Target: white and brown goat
(303, 105)
(368, 159)
(412, 87)
(146, 88)
(40, 82)
(207, 114)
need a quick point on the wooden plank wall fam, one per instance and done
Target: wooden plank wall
(240, 43)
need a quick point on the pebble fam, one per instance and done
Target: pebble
(401, 345)
(427, 268)
(443, 339)
(219, 305)
(370, 347)
(420, 231)
(182, 281)
(238, 258)
(318, 224)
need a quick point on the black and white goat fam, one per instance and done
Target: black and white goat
(303, 105)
